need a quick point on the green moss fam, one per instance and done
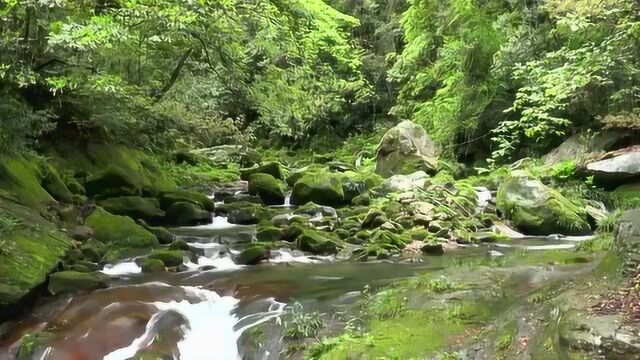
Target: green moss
(20, 180)
(273, 168)
(169, 198)
(626, 196)
(152, 266)
(70, 281)
(53, 184)
(169, 258)
(186, 214)
(270, 190)
(29, 251)
(119, 232)
(252, 255)
(266, 232)
(324, 189)
(134, 207)
(317, 242)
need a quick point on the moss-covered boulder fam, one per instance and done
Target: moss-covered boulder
(245, 213)
(270, 190)
(317, 242)
(273, 168)
(112, 182)
(72, 281)
(179, 245)
(252, 255)
(163, 235)
(152, 266)
(52, 182)
(119, 232)
(539, 210)
(405, 149)
(266, 232)
(169, 198)
(323, 189)
(186, 214)
(362, 200)
(170, 258)
(627, 196)
(135, 207)
(32, 247)
(20, 181)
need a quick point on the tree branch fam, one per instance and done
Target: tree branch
(174, 75)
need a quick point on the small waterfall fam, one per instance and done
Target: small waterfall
(484, 196)
(125, 268)
(211, 331)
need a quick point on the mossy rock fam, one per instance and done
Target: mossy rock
(318, 243)
(20, 180)
(186, 214)
(245, 213)
(32, 247)
(170, 258)
(72, 281)
(74, 186)
(252, 255)
(152, 266)
(119, 232)
(273, 168)
(270, 190)
(627, 196)
(169, 198)
(52, 182)
(405, 149)
(537, 209)
(388, 240)
(362, 200)
(92, 253)
(163, 235)
(323, 189)
(112, 182)
(185, 157)
(179, 245)
(266, 232)
(135, 207)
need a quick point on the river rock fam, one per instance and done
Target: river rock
(317, 242)
(405, 149)
(187, 214)
(323, 189)
(432, 249)
(579, 146)
(273, 168)
(245, 213)
(170, 258)
(266, 232)
(537, 209)
(270, 190)
(112, 182)
(70, 281)
(627, 243)
(252, 255)
(152, 266)
(617, 167)
(163, 235)
(81, 233)
(119, 231)
(403, 183)
(135, 207)
(201, 200)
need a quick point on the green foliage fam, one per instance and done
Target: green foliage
(303, 324)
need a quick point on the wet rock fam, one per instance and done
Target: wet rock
(252, 255)
(404, 149)
(71, 281)
(170, 258)
(432, 249)
(403, 183)
(273, 168)
(539, 210)
(245, 213)
(186, 214)
(167, 199)
(314, 210)
(81, 233)
(266, 232)
(627, 243)
(163, 235)
(270, 190)
(617, 167)
(135, 207)
(317, 243)
(179, 245)
(152, 266)
(323, 189)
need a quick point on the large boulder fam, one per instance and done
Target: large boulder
(52, 182)
(270, 190)
(169, 198)
(323, 189)
(273, 168)
(187, 214)
(134, 207)
(405, 149)
(252, 255)
(579, 146)
(119, 232)
(245, 213)
(71, 281)
(403, 183)
(112, 182)
(627, 243)
(537, 209)
(317, 242)
(616, 167)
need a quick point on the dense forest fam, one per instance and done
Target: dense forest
(319, 179)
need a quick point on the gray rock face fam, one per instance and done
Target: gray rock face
(404, 149)
(617, 169)
(403, 183)
(627, 242)
(578, 146)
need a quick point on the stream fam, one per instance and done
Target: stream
(207, 310)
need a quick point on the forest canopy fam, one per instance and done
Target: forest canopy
(502, 78)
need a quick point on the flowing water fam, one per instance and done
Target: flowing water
(205, 311)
